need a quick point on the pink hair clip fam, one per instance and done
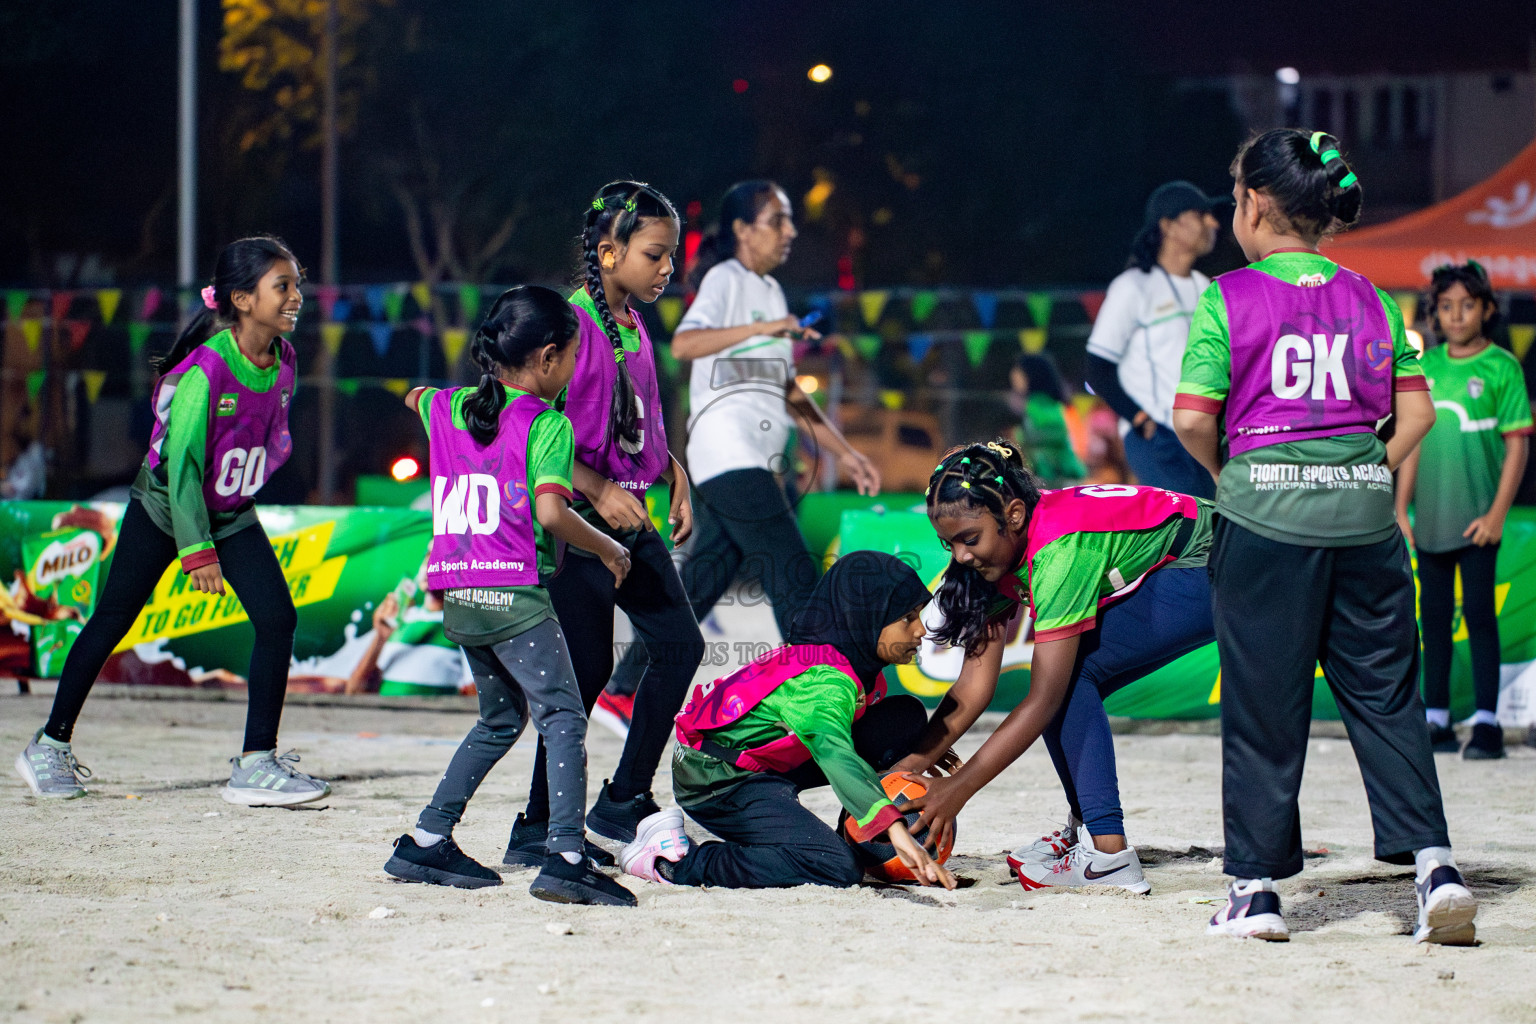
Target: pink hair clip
(208, 299)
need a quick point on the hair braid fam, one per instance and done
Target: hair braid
(970, 478)
(622, 417)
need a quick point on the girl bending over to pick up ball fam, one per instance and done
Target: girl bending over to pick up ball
(1115, 578)
(811, 713)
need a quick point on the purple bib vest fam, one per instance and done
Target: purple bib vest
(1307, 362)
(482, 513)
(248, 435)
(1098, 508)
(717, 704)
(589, 396)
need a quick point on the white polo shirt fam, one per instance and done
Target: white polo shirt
(737, 416)
(1144, 326)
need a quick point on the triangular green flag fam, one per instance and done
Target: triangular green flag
(107, 299)
(394, 299)
(15, 300)
(35, 384)
(138, 337)
(976, 345)
(872, 304)
(868, 345)
(469, 304)
(923, 304)
(347, 386)
(1039, 307)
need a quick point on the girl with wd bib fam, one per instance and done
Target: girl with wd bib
(1296, 360)
(615, 408)
(811, 713)
(501, 490)
(1115, 578)
(221, 429)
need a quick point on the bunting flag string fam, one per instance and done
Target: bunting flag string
(1032, 340)
(469, 304)
(671, 309)
(151, 303)
(138, 337)
(94, 379)
(868, 345)
(330, 337)
(872, 304)
(341, 312)
(77, 330)
(380, 334)
(918, 346)
(1092, 303)
(15, 302)
(1520, 338)
(976, 345)
(394, 302)
(60, 305)
(107, 300)
(422, 293)
(35, 384)
(454, 340)
(32, 331)
(985, 304)
(923, 304)
(1039, 304)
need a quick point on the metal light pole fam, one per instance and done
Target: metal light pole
(186, 235)
(328, 259)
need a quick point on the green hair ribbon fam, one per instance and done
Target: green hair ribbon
(598, 204)
(629, 204)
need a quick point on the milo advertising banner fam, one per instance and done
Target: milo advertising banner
(1191, 687)
(340, 563)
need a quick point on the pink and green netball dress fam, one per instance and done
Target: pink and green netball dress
(221, 431)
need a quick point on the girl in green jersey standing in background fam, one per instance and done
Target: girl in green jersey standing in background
(1461, 482)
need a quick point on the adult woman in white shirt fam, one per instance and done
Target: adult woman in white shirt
(743, 400)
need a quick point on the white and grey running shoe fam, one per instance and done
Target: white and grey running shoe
(51, 771)
(1252, 911)
(1446, 907)
(272, 781)
(1047, 847)
(1083, 865)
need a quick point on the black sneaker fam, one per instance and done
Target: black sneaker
(619, 819)
(525, 848)
(563, 882)
(1442, 739)
(442, 863)
(1486, 744)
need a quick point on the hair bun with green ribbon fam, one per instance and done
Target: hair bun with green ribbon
(1327, 150)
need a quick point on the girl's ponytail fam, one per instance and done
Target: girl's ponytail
(520, 323)
(240, 268)
(1313, 189)
(970, 478)
(1344, 192)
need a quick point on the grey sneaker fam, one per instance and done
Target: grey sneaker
(272, 781)
(51, 772)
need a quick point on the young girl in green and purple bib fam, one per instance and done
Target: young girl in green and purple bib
(1297, 360)
(221, 430)
(1461, 482)
(500, 470)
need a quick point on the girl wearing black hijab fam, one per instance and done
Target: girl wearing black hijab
(811, 713)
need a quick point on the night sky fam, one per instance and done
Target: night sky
(968, 143)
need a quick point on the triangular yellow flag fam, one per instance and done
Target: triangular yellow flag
(1032, 339)
(94, 379)
(107, 299)
(330, 336)
(454, 340)
(671, 310)
(422, 293)
(32, 330)
(399, 385)
(872, 304)
(1520, 338)
(1408, 302)
(1215, 697)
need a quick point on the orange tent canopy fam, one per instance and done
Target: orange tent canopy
(1493, 223)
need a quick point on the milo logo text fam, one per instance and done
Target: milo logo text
(241, 471)
(1298, 365)
(64, 558)
(465, 504)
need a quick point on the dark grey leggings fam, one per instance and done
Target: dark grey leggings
(528, 676)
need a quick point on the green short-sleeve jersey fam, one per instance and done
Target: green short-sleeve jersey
(481, 616)
(1479, 401)
(1327, 492)
(818, 707)
(1073, 573)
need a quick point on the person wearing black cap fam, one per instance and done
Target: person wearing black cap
(1137, 345)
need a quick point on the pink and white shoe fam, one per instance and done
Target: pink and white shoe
(659, 836)
(1047, 847)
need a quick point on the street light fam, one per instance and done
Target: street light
(818, 74)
